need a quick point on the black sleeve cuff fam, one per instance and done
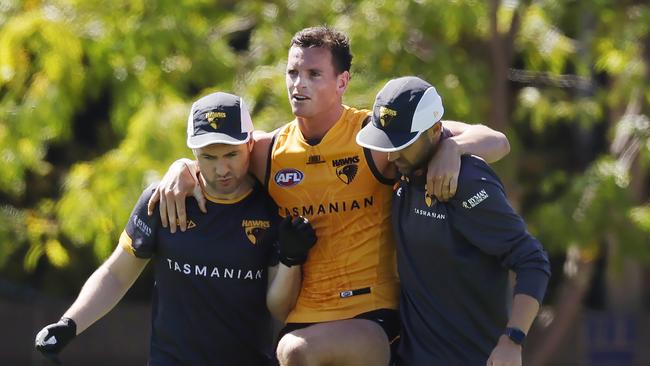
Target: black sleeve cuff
(532, 282)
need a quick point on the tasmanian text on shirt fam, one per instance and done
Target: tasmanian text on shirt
(433, 215)
(214, 272)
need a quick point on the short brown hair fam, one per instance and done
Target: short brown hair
(335, 41)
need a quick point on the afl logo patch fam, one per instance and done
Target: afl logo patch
(288, 177)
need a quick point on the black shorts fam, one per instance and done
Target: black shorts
(387, 319)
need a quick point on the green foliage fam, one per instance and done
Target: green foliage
(596, 205)
(41, 78)
(152, 143)
(94, 97)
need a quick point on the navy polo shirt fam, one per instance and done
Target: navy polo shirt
(209, 303)
(453, 262)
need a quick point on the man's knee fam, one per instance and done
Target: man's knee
(294, 351)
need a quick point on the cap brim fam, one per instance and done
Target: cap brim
(206, 139)
(373, 138)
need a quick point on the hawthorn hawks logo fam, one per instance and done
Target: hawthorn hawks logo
(254, 229)
(213, 118)
(429, 199)
(346, 168)
(386, 116)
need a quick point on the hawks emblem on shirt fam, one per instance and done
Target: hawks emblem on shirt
(254, 229)
(346, 168)
(429, 199)
(347, 173)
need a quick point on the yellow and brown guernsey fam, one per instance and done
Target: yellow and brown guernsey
(351, 269)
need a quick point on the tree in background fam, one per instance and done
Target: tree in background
(94, 97)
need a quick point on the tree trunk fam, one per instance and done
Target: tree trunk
(569, 307)
(501, 51)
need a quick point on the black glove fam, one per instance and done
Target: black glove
(53, 338)
(296, 237)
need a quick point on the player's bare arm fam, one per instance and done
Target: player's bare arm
(507, 352)
(260, 154)
(282, 293)
(105, 288)
(101, 292)
(444, 166)
(296, 237)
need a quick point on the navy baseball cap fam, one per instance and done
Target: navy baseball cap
(218, 118)
(404, 108)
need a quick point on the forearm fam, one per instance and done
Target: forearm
(105, 287)
(283, 290)
(524, 311)
(508, 352)
(478, 140)
(101, 292)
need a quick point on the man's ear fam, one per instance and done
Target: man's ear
(434, 131)
(250, 143)
(342, 81)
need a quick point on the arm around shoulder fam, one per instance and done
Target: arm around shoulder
(444, 166)
(260, 155)
(178, 183)
(479, 140)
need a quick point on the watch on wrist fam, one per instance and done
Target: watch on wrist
(515, 334)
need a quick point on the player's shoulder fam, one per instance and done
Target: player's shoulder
(258, 194)
(472, 166)
(260, 202)
(356, 114)
(263, 142)
(258, 191)
(474, 174)
(146, 194)
(260, 136)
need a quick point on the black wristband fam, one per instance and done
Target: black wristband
(292, 261)
(516, 335)
(71, 324)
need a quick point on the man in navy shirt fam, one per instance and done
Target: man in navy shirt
(213, 281)
(453, 257)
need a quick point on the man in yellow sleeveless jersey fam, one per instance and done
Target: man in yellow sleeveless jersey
(346, 311)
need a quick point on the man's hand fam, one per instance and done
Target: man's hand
(53, 338)
(178, 183)
(506, 353)
(296, 237)
(443, 170)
